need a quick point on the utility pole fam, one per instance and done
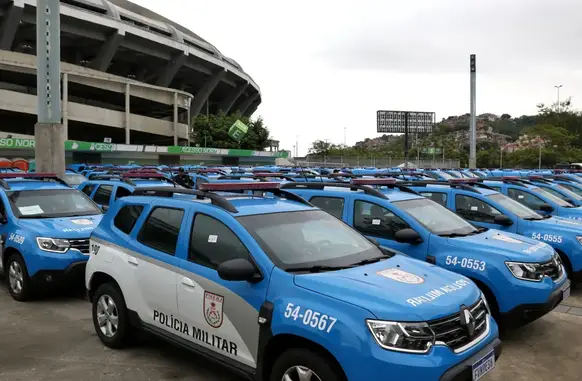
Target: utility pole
(558, 104)
(406, 139)
(296, 145)
(49, 133)
(501, 159)
(345, 134)
(540, 157)
(473, 125)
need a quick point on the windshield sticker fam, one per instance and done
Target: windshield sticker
(505, 238)
(474, 208)
(376, 221)
(212, 238)
(82, 221)
(520, 196)
(30, 210)
(534, 248)
(438, 292)
(213, 309)
(401, 276)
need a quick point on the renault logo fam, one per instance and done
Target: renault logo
(468, 321)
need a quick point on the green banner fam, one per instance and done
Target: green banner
(16, 143)
(72, 145)
(197, 150)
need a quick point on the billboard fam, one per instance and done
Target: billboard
(393, 122)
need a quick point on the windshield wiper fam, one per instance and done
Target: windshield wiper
(316, 269)
(535, 218)
(453, 235)
(368, 261)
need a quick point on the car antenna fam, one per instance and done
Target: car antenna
(304, 175)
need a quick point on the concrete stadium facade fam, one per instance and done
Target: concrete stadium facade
(128, 74)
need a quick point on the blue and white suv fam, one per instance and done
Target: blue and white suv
(44, 228)
(523, 279)
(276, 289)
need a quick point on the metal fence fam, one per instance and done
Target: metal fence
(373, 161)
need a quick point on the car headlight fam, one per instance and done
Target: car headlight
(54, 245)
(402, 337)
(526, 271)
(579, 238)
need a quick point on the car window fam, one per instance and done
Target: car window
(372, 219)
(551, 197)
(526, 198)
(127, 217)
(122, 192)
(212, 243)
(161, 229)
(437, 197)
(88, 189)
(103, 194)
(474, 209)
(572, 188)
(332, 205)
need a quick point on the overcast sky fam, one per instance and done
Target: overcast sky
(323, 65)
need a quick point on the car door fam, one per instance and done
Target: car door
(102, 196)
(153, 259)
(3, 231)
(480, 212)
(223, 314)
(528, 199)
(379, 222)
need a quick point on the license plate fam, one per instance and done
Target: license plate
(566, 293)
(484, 366)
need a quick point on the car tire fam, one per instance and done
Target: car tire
(110, 316)
(297, 360)
(17, 280)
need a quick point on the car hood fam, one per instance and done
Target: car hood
(562, 224)
(62, 227)
(511, 246)
(396, 289)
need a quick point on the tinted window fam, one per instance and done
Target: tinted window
(474, 209)
(51, 203)
(103, 194)
(212, 243)
(122, 192)
(332, 205)
(127, 217)
(88, 189)
(526, 198)
(372, 219)
(160, 230)
(437, 197)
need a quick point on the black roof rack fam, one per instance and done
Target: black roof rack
(112, 178)
(469, 186)
(321, 186)
(515, 181)
(216, 199)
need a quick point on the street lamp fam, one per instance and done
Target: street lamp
(558, 88)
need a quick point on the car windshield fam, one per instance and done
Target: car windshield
(555, 199)
(567, 193)
(515, 207)
(308, 238)
(436, 218)
(572, 188)
(456, 174)
(74, 179)
(445, 175)
(51, 203)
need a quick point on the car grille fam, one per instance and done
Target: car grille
(552, 269)
(80, 244)
(450, 331)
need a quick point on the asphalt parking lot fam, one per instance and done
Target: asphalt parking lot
(53, 339)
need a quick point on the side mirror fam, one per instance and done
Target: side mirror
(374, 241)
(238, 270)
(407, 236)
(546, 208)
(104, 208)
(502, 220)
(569, 200)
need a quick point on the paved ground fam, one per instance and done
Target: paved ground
(54, 340)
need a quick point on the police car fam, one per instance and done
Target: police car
(485, 207)
(104, 190)
(44, 229)
(401, 219)
(534, 197)
(276, 289)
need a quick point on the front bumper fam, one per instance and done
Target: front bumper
(74, 273)
(526, 313)
(464, 370)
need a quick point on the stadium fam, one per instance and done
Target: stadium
(129, 75)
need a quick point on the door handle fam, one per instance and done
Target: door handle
(187, 282)
(132, 261)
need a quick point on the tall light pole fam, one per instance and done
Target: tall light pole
(473, 120)
(49, 133)
(558, 88)
(345, 133)
(501, 159)
(296, 145)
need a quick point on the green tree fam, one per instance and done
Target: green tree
(212, 131)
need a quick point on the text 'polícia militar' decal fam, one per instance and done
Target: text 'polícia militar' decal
(438, 292)
(198, 334)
